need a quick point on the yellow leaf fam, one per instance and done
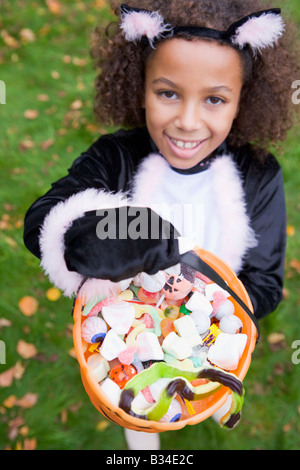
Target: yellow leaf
(53, 294)
(102, 425)
(290, 230)
(10, 401)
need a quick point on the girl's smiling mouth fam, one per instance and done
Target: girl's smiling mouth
(184, 148)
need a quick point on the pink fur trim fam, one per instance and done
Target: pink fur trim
(52, 247)
(237, 236)
(137, 24)
(260, 32)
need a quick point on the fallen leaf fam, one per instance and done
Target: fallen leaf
(53, 294)
(11, 242)
(19, 370)
(14, 425)
(64, 416)
(72, 353)
(54, 6)
(31, 113)
(290, 231)
(10, 401)
(30, 443)
(102, 425)
(43, 97)
(28, 305)
(46, 144)
(77, 104)
(27, 35)
(26, 145)
(26, 350)
(287, 427)
(275, 338)
(285, 293)
(7, 377)
(24, 430)
(55, 74)
(28, 401)
(295, 264)
(9, 40)
(5, 322)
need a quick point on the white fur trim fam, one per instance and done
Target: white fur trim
(150, 175)
(52, 246)
(237, 236)
(260, 32)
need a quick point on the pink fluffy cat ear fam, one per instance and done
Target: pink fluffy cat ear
(137, 23)
(259, 30)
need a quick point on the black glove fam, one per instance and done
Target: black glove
(119, 243)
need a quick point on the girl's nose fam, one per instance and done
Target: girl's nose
(189, 117)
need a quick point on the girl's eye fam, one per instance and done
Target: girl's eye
(169, 95)
(214, 100)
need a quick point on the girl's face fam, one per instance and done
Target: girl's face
(192, 93)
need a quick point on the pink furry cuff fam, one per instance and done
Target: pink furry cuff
(52, 246)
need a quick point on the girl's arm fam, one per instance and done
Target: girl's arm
(263, 271)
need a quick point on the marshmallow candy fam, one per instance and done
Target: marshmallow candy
(177, 346)
(111, 390)
(201, 321)
(97, 366)
(210, 289)
(227, 350)
(154, 282)
(149, 347)
(186, 328)
(112, 346)
(198, 301)
(230, 324)
(119, 316)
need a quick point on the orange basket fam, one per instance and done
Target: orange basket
(203, 408)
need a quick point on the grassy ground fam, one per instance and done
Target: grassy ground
(46, 122)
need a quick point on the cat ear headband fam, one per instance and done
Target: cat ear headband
(257, 30)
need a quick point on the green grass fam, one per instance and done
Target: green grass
(63, 417)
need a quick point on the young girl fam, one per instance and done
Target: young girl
(203, 89)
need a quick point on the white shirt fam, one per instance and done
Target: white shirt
(187, 200)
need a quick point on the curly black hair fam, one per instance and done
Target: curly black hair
(266, 109)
